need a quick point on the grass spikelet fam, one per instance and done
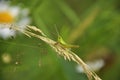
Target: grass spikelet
(64, 52)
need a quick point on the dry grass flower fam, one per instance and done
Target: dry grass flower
(62, 51)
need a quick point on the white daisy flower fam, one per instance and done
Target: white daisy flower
(94, 65)
(12, 15)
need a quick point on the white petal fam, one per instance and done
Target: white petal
(6, 33)
(95, 65)
(22, 23)
(25, 12)
(3, 6)
(79, 69)
(14, 11)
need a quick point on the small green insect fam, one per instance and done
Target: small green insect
(63, 43)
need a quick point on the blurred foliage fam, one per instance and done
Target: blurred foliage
(95, 23)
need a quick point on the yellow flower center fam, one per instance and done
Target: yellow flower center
(6, 17)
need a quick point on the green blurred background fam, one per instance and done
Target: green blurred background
(94, 25)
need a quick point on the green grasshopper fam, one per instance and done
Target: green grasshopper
(63, 43)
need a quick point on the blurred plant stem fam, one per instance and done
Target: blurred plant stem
(79, 31)
(39, 21)
(67, 11)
